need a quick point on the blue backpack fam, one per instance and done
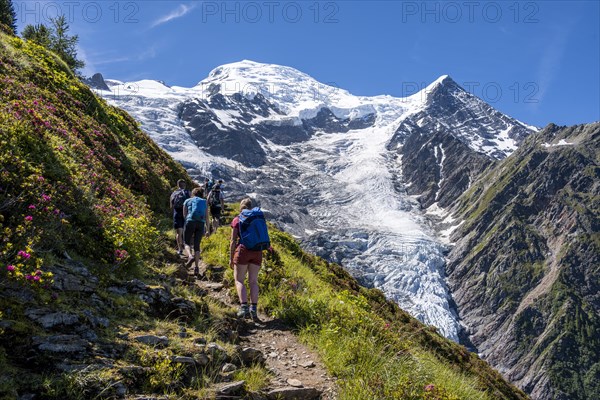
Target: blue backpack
(196, 209)
(253, 230)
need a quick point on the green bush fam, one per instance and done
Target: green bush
(76, 175)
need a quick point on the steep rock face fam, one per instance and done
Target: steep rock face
(235, 126)
(439, 167)
(96, 82)
(444, 146)
(526, 265)
(203, 127)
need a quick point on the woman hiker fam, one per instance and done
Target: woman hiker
(247, 260)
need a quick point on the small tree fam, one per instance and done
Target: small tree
(65, 45)
(57, 39)
(39, 34)
(8, 16)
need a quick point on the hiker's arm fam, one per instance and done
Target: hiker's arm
(185, 211)
(233, 244)
(222, 202)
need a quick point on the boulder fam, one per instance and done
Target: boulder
(152, 340)
(217, 352)
(234, 388)
(73, 277)
(183, 360)
(250, 355)
(49, 319)
(67, 344)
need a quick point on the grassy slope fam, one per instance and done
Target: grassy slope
(76, 174)
(375, 348)
(94, 186)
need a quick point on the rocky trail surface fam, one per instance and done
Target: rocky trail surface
(297, 371)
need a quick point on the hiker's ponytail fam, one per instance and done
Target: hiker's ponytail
(246, 204)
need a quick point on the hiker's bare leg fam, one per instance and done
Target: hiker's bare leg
(188, 251)
(253, 282)
(239, 272)
(197, 259)
(179, 238)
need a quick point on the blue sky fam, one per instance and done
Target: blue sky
(538, 61)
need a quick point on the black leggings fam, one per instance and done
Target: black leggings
(196, 229)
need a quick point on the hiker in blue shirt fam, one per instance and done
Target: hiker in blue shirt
(195, 212)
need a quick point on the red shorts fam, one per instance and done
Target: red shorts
(243, 256)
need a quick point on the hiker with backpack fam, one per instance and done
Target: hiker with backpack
(178, 197)
(206, 186)
(249, 238)
(216, 203)
(195, 212)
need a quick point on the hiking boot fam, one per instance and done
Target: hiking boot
(243, 312)
(254, 316)
(189, 263)
(196, 271)
(180, 253)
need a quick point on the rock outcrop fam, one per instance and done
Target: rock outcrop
(525, 270)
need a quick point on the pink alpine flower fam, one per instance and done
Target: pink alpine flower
(10, 268)
(31, 207)
(29, 218)
(24, 254)
(45, 197)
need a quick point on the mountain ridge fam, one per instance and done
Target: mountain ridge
(524, 270)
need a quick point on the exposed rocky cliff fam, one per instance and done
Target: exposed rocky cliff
(525, 269)
(444, 146)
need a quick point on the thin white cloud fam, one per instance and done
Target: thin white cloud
(112, 60)
(177, 13)
(550, 62)
(147, 54)
(105, 59)
(90, 67)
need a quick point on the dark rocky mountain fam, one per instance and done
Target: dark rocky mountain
(525, 269)
(243, 140)
(444, 146)
(96, 81)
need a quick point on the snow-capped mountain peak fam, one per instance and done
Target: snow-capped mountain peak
(293, 91)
